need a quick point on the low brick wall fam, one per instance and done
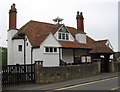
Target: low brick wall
(62, 73)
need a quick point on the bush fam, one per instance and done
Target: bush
(4, 56)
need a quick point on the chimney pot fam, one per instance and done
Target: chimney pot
(77, 12)
(13, 6)
(81, 13)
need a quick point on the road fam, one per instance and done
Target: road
(102, 84)
(104, 81)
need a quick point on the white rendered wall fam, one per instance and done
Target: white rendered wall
(81, 37)
(10, 46)
(110, 46)
(18, 55)
(49, 59)
(67, 55)
(28, 51)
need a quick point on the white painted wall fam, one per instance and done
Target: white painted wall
(67, 55)
(81, 37)
(18, 55)
(110, 46)
(49, 59)
(10, 46)
(28, 51)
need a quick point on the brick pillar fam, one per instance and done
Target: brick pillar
(111, 67)
(98, 61)
(38, 65)
(99, 65)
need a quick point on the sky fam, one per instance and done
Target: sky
(100, 16)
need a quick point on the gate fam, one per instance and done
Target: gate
(18, 74)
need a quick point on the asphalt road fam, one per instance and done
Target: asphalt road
(104, 81)
(102, 84)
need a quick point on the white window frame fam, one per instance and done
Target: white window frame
(65, 37)
(53, 49)
(86, 59)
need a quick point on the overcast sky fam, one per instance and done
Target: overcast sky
(100, 16)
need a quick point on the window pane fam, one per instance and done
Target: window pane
(55, 49)
(59, 36)
(88, 59)
(20, 48)
(67, 37)
(83, 59)
(47, 49)
(63, 36)
(51, 49)
(27, 44)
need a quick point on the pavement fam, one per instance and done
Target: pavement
(52, 86)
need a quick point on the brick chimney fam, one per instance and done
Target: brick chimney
(80, 35)
(12, 17)
(80, 22)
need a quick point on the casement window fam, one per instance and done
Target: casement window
(50, 49)
(83, 59)
(47, 49)
(86, 59)
(19, 47)
(63, 36)
(59, 35)
(67, 37)
(55, 49)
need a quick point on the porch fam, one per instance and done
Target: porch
(74, 56)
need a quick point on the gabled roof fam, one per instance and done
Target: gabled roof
(37, 32)
(101, 48)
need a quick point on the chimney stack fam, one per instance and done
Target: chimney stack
(12, 17)
(80, 22)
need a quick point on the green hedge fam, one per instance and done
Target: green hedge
(4, 56)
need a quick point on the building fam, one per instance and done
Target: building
(54, 44)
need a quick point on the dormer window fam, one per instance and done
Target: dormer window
(59, 35)
(67, 36)
(63, 34)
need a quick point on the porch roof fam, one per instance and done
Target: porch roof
(75, 45)
(102, 50)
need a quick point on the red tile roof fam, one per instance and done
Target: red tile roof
(38, 31)
(75, 45)
(100, 47)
